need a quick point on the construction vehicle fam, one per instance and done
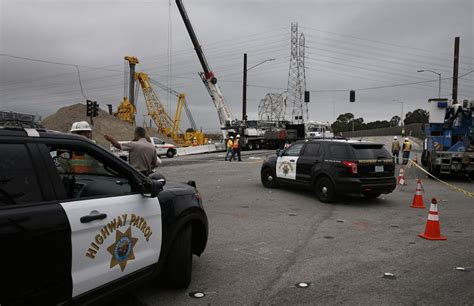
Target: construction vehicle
(166, 125)
(255, 134)
(13, 119)
(449, 142)
(126, 110)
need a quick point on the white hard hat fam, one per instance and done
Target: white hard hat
(231, 137)
(238, 136)
(395, 138)
(406, 138)
(80, 126)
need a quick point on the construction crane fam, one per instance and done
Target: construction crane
(210, 81)
(166, 125)
(126, 110)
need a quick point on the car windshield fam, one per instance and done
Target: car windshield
(370, 151)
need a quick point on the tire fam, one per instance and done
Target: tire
(257, 146)
(250, 146)
(268, 178)
(424, 159)
(325, 191)
(169, 154)
(372, 195)
(178, 268)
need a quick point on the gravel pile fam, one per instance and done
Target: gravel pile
(103, 124)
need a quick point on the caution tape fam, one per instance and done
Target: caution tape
(465, 192)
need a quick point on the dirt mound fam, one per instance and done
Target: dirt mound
(103, 124)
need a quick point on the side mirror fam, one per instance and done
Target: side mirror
(279, 152)
(155, 176)
(151, 188)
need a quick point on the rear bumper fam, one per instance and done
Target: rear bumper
(366, 185)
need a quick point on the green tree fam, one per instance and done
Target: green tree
(395, 121)
(417, 116)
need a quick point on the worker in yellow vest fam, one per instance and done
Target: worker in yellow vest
(395, 149)
(229, 144)
(406, 148)
(236, 149)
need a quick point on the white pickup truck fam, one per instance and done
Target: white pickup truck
(162, 149)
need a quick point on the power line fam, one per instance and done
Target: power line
(380, 42)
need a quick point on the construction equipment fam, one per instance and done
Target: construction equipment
(255, 134)
(166, 125)
(13, 119)
(126, 110)
(449, 143)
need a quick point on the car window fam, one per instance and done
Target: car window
(18, 181)
(84, 175)
(337, 151)
(312, 150)
(370, 152)
(294, 150)
(157, 140)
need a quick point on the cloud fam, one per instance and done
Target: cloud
(383, 42)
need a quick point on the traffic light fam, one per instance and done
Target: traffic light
(89, 108)
(306, 96)
(352, 96)
(95, 109)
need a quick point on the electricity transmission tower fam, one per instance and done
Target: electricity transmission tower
(297, 76)
(272, 107)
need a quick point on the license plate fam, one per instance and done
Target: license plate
(378, 168)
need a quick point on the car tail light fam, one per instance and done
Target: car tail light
(351, 165)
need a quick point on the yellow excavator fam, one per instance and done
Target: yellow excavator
(166, 125)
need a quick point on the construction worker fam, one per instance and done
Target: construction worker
(406, 148)
(236, 148)
(82, 128)
(395, 150)
(79, 161)
(229, 143)
(142, 154)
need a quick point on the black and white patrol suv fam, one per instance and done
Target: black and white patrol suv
(332, 167)
(78, 223)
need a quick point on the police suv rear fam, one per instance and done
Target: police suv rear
(332, 167)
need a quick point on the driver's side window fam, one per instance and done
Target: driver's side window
(294, 150)
(84, 175)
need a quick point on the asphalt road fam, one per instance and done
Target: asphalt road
(264, 241)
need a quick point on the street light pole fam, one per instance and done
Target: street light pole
(439, 80)
(244, 84)
(401, 114)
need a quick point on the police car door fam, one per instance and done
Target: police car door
(114, 229)
(286, 163)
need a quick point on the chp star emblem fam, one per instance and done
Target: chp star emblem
(122, 249)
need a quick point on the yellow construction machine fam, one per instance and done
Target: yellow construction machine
(126, 110)
(166, 125)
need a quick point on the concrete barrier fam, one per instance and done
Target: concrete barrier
(200, 149)
(415, 130)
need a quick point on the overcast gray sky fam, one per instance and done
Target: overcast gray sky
(350, 44)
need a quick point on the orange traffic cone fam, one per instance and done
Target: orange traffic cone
(433, 230)
(401, 177)
(418, 198)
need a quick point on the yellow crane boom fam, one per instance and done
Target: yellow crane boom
(165, 124)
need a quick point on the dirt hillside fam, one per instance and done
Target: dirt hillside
(103, 124)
